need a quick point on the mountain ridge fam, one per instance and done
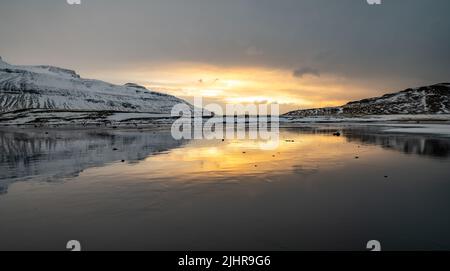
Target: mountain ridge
(53, 88)
(433, 99)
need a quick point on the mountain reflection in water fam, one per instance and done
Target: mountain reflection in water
(56, 155)
(143, 190)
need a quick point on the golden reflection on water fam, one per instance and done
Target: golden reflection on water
(203, 159)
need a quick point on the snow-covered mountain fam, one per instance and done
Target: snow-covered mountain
(53, 88)
(433, 99)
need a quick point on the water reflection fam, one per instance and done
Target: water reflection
(57, 155)
(310, 193)
(410, 144)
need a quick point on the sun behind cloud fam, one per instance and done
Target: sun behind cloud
(224, 85)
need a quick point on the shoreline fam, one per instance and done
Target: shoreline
(436, 124)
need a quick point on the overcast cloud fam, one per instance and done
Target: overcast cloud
(400, 43)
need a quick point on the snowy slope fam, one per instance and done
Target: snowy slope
(53, 88)
(433, 99)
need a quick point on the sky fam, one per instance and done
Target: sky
(297, 53)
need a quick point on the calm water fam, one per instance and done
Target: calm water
(312, 193)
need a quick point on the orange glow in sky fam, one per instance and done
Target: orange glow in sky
(240, 85)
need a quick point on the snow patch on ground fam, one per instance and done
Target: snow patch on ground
(368, 118)
(436, 129)
(411, 124)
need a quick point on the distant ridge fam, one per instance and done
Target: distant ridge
(434, 99)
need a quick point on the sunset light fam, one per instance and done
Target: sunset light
(241, 84)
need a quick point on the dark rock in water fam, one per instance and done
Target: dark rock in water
(337, 134)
